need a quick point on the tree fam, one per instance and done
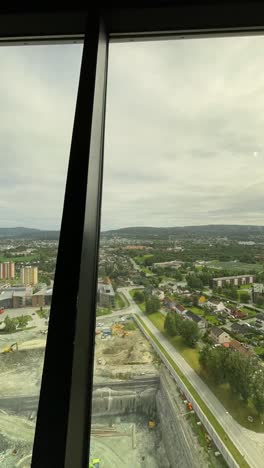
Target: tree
(258, 392)
(259, 300)
(169, 324)
(152, 304)
(22, 321)
(10, 325)
(138, 297)
(244, 297)
(194, 282)
(190, 332)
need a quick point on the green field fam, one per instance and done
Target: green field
(140, 259)
(217, 426)
(196, 310)
(233, 267)
(237, 408)
(44, 313)
(121, 301)
(102, 311)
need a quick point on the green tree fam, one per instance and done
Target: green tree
(139, 297)
(244, 297)
(169, 324)
(10, 325)
(259, 300)
(190, 332)
(22, 321)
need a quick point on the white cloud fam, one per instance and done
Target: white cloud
(184, 129)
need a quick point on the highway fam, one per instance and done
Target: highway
(249, 443)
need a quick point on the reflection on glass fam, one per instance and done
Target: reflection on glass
(178, 371)
(38, 93)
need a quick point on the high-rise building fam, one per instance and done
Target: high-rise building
(29, 275)
(7, 270)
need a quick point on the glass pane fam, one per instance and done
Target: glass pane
(178, 372)
(38, 89)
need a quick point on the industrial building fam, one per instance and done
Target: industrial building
(42, 298)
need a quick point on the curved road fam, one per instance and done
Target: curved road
(249, 443)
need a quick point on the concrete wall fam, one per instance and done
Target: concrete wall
(114, 401)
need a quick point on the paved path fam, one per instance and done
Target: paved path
(249, 443)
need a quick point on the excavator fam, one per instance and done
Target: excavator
(94, 463)
(10, 349)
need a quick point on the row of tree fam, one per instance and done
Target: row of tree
(17, 322)
(152, 303)
(175, 325)
(242, 373)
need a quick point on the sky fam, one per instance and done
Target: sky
(184, 142)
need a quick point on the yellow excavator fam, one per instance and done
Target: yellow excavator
(10, 349)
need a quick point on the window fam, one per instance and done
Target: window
(38, 94)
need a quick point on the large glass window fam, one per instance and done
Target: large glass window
(38, 89)
(180, 318)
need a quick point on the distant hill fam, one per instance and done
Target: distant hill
(28, 233)
(233, 231)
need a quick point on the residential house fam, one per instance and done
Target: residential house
(241, 348)
(240, 329)
(181, 310)
(237, 313)
(217, 305)
(219, 336)
(201, 323)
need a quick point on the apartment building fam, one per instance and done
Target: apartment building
(233, 280)
(29, 275)
(7, 270)
(105, 295)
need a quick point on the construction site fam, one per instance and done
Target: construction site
(140, 418)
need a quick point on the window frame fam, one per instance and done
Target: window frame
(64, 414)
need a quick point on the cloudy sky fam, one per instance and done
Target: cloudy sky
(184, 133)
(38, 87)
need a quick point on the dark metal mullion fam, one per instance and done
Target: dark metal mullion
(79, 424)
(52, 420)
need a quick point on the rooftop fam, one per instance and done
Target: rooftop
(217, 331)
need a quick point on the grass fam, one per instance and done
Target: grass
(196, 310)
(233, 267)
(121, 301)
(239, 409)
(146, 270)
(102, 311)
(250, 312)
(212, 320)
(217, 426)
(140, 259)
(44, 313)
(259, 350)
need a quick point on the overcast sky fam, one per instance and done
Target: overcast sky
(38, 87)
(184, 133)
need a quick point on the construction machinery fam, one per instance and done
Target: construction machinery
(152, 424)
(10, 349)
(94, 463)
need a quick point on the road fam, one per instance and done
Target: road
(21, 404)
(249, 443)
